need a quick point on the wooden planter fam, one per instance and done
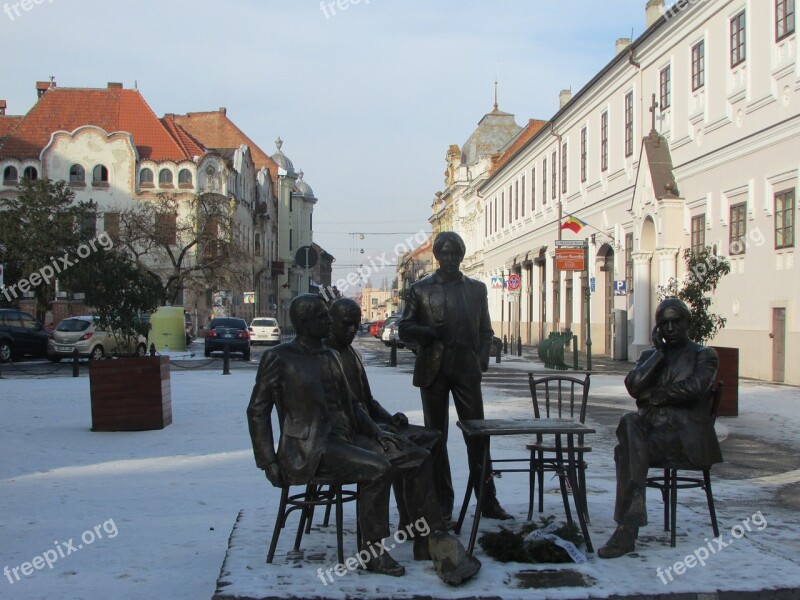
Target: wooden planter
(130, 394)
(728, 373)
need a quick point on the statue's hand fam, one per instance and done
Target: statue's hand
(399, 420)
(385, 438)
(274, 474)
(657, 340)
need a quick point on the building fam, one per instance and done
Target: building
(687, 138)
(373, 304)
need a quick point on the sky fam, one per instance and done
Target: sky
(367, 95)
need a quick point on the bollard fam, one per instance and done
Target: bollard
(75, 372)
(393, 354)
(226, 360)
(497, 355)
(505, 345)
(152, 349)
(519, 346)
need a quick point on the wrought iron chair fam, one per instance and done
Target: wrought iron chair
(670, 482)
(564, 397)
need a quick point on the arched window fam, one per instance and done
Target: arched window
(100, 175)
(30, 173)
(165, 178)
(146, 178)
(185, 178)
(10, 175)
(77, 174)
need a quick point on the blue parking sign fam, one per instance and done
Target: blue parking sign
(620, 287)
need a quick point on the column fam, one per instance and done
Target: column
(666, 265)
(641, 300)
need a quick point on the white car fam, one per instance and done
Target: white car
(265, 330)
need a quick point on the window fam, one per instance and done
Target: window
(784, 18)
(583, 154)
(516, 200)
(604, 141)
(257, 243)
(165, 178)
(553, 176)
(544, 182)
(564, 168)
(629, 262)
(784, 219)
(88, 225)
(495, 214)
(166, 226)
(99, 176)
(698, 233)
(146, 178)
(31, 174)
(291, 240)
(10, 175)
(111, 225)
(185, 178)
(736, 243)
(502, 209)
(665, 88)
(77, 174)
(738, 49)
(628, 123)
(522, 185)
(533, 188)
(486, 221)
(698, 66)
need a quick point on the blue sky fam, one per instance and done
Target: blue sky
(366, 98)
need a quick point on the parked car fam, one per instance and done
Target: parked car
(390, 332)
(21, 334)
(373, 329)
(230, 332)
(265, 330)
(84, 334)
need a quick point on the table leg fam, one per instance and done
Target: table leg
(481, 493)
(578, 493)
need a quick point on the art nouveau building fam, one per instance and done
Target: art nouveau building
(689, 137)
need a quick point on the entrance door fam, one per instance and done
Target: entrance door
(778, 343)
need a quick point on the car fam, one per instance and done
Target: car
(373, 329)
(84, 335)
(265, 330)
(228, 332)
(21, 334)
(390, 332)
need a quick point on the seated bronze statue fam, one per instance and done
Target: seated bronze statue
(672, 386)
(325, 433)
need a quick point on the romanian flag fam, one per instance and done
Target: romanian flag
(573, 223)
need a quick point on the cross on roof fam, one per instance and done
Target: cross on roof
(653, 107)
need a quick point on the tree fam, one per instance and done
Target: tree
(704, 269)
(41, 232)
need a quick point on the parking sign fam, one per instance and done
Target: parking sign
(620, 287)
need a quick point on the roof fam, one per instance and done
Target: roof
(531, 129)
(494, 131)
(112, 109)
(214, 129)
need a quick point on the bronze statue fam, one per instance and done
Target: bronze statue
(324, 433)
(346, 316)
(447, 316)
(672, 385)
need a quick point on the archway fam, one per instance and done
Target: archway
(604, 264)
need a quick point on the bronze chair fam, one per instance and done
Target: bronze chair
(564, 397)
(319, 492)
(670, 482)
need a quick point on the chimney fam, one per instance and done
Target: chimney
(564, 96)
(223, 111)
(2, 107)
(621, 45)
(653, 11)
(43, 86)
(112, 85)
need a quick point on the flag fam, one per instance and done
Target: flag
(574, 224)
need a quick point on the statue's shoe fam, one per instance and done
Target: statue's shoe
(622, 541)
(493, 510)
(421, 548)
(384, 564)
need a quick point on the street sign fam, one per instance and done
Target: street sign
(620, 287)
(512, 296)
(570, 255)
(306, 257)
(497, 283)
(514, 282)
(591, 284)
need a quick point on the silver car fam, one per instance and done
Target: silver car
(83, 334)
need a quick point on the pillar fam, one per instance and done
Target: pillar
(641, 300)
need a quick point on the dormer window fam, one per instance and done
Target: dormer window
(10, 176)
(185, 179)
(100, 176)
(30, 173)
(165, 178)
(77, 174)
(146, 178)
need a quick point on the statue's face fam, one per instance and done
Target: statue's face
(674, 328)
(317, 321)
(449, 257)
(344, 327)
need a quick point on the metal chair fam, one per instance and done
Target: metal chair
(319, 492)
(670, 482)
(565, 397)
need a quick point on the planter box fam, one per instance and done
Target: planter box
(728, 373)
(130, 394)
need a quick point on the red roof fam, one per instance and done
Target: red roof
(7, 122)
(531, 129)
(215, 130)
(112, 109)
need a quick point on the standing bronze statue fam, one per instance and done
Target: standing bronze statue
(447, 316)
(672, 386)
(324, 433)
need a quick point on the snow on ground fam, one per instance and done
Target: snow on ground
(148, 514)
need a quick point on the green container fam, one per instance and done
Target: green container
(168, 329)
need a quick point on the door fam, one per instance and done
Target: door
(778, 336)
